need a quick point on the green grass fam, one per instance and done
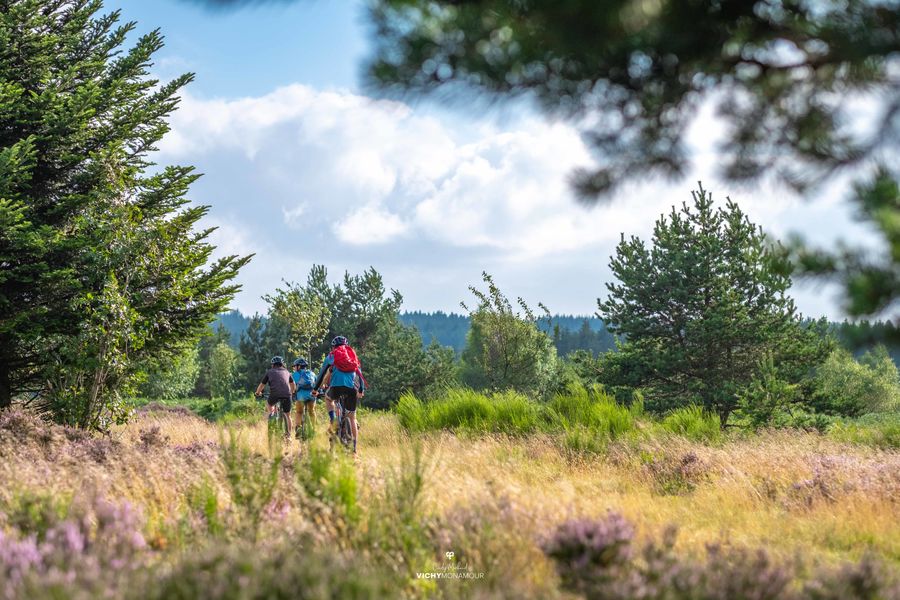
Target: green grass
(693, 423)
(877, 430)
(585, 420)
(219, 410)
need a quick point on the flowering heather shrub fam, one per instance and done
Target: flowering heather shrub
(89, 554)
(201, 451)
(23, 426)
(152, 437)
(98, 449)
(594, 558)
(677, 474)
(860, 581)
(294, 568)
(590, 553)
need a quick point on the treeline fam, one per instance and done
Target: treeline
(571, 332)
(674, 333)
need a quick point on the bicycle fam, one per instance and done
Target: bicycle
(306, 428)
(344, 432)
(277, 420)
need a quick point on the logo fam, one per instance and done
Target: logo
(451, 570)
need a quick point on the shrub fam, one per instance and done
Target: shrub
(411, 413)
(880, 431)
(676, 474)
(289, 569)
(94, 550)
(590, 553)
(693, 423)
(592, 410)
(844, 387)
(596, 559)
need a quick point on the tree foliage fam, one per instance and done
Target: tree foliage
(100, 263)
(397, 362)
(172, 377)
(505, 348)
(358, 305)
(849, 388)
(700, 308)
(636, 73)
(302, 313)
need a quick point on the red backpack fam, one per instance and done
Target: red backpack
(345, 359)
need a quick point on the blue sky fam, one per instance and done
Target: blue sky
(252, 50)
(301, 167)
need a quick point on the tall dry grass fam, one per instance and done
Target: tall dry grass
(492, 497)
(793, 492)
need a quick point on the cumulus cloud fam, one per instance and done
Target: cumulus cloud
(302, 175)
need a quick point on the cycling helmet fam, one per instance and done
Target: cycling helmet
(277, 360)
(339, 341)
(301, 362)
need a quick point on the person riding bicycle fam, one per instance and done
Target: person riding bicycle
(303, 379)
(347, 382)
(281, 390)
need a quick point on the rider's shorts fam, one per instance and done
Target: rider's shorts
(285, 403)
(345, 395)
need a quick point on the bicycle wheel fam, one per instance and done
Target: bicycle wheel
(346, 433)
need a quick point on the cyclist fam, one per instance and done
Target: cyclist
(281, 390)
(346, 380)
(303, 379)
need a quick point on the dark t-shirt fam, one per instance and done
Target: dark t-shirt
(277, 378)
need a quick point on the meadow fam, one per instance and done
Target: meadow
(576, 497)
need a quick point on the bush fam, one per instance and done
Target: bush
(461, 409)
(290, 569)
(596, 558)
(94, 550)
(674, 475)
(844, 387)
(594, 410)
(880, 431)
(693, 423)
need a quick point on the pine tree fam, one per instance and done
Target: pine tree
(100, 262)
(700, 308)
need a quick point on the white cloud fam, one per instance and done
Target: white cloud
(369, 225)
(429, 198)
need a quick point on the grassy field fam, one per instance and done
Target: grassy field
(493, 499)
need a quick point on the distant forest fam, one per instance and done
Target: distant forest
(449, 329)
(571, 332)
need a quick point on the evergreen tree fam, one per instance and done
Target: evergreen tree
(255, 355)
(637, 72)
(396, 362)
(700, 308)
(100, 264)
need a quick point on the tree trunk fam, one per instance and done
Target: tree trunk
(5, 388)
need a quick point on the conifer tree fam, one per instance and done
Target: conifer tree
(101, 261)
